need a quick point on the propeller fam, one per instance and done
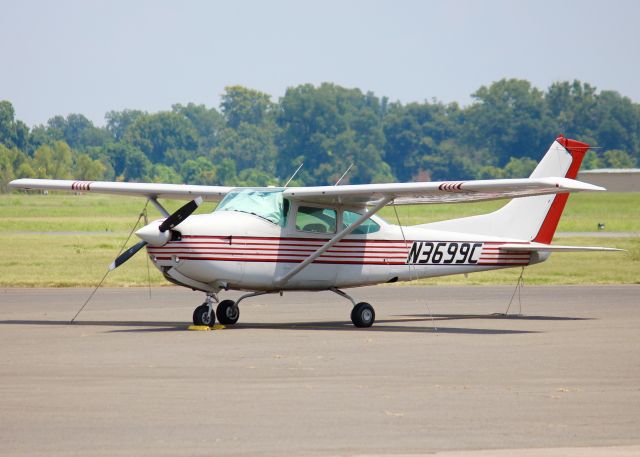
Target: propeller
(170, 222)
(126, 255)
(180, 215)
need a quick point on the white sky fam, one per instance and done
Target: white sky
(90, 57)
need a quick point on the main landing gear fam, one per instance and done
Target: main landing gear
(362, 315)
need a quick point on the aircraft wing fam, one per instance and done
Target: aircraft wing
(149, 190)
(357, 195)
(437, 192)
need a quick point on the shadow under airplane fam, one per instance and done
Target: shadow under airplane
(399, 324)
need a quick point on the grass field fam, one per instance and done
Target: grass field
(67, 240)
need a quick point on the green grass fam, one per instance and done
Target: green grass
(73, 258)
(34, 260)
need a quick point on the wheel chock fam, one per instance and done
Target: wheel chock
(204, 328)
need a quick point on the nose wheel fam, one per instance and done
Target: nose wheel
(203, 315)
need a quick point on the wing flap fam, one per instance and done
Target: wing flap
(149, 190)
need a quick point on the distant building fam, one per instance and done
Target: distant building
(614, 179)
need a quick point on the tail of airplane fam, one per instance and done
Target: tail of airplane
(530, 218)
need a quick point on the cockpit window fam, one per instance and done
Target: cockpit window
(368, 226)
(267, 204)
(317, 220)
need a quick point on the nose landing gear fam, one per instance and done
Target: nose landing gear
(204, 314)
(228, 311)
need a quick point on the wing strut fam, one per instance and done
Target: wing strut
(158, 206)
(281, 281)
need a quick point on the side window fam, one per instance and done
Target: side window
(368, 226)
(316, 220)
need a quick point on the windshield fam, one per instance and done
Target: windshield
(267, 204)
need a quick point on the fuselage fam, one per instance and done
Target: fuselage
(238, 250)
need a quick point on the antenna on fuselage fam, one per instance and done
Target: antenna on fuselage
(294, 174)
(343, 175)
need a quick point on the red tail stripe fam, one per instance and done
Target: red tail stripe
(577, 149)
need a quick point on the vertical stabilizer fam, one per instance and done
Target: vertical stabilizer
(530, 218)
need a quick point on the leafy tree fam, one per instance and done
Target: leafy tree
(13, 133)
(165, 174)
(88, 169)
(572, 107)
(155, 134)
(416, 131)
(615, 158)
(76, 130)
(119, 121)
(519, 167)
(10, 161)
(199, 171)
(227, 173)
(254, 177)
(591, 160)
(7, 120)
(240, 104)
(249, 134)
(127, 162)
(53, 161)
(137, 166)
(509, 119)
(207, 123)
(329, 128)
(249, 146)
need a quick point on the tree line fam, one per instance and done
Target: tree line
(251, 140)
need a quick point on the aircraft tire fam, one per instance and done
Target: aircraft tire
(363, 315)
(227, 312)
(201, 316)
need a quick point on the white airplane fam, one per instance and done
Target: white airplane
(270, 240)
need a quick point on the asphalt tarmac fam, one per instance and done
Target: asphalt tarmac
(294, 377)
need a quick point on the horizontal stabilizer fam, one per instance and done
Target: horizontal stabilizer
(541, 247)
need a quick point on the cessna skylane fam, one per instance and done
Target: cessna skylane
(328, 238)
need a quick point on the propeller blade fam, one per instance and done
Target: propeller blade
(180, 215)
(126, 255)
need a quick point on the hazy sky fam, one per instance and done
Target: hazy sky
(89, 57)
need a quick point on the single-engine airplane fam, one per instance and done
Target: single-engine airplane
(327, 238)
